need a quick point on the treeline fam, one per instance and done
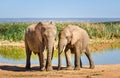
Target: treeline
(106, 30)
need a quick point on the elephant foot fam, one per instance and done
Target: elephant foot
(42, 69)
(69, 68)
(27, 67)
(81, 66)
(92, 66)
(59, 68)
(77, 68)
(49, 68)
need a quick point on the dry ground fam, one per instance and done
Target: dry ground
(100, 71)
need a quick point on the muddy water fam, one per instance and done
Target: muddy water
(13, 55)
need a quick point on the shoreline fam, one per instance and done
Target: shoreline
(95, 44)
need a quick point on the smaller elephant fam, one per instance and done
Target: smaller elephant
(75, 40)
(39, 37)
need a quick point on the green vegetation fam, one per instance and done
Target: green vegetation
(107, 30)
(12, 31)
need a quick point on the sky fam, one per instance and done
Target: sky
(59, 8)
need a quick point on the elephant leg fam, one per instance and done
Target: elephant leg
(87, 53)
(68, 59)
(80, 62)
(77, 59)
(39, 60)
(48, 64)
(42, 60)
(28, 54)
(49, 61)
(52, 53)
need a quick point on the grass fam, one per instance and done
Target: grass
(107, 30)
(12, 31)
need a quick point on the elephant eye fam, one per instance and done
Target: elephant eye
(67, 37)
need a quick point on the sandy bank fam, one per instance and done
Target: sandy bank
(100, 71)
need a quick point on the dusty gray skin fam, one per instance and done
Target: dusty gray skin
(39, 37)
(73, 39)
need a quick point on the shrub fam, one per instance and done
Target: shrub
(107, 30)
(12, 31)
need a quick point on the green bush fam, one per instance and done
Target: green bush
(107, 30)
(12, 31)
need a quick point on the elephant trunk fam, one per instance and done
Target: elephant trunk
(50, 50)
(61, 48)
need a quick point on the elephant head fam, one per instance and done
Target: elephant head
(48, 31)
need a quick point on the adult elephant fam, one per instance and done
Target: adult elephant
(39, 37)
(73, 39)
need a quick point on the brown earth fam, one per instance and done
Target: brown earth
(100, 71)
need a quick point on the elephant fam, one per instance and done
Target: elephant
(73, 39)
(40, 37)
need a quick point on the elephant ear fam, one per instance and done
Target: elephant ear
(75, 37)
(40, 24)
(38, 29)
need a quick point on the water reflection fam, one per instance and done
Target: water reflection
(15, 55)
(12, 53)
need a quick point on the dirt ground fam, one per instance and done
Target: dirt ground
(100, 71)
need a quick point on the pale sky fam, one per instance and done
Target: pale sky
(59, 8)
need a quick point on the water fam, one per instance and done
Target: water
(109, 56)
(104, 57)
(8, 20)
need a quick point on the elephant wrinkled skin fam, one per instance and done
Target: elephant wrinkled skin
(73, 39)
(39, 37)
